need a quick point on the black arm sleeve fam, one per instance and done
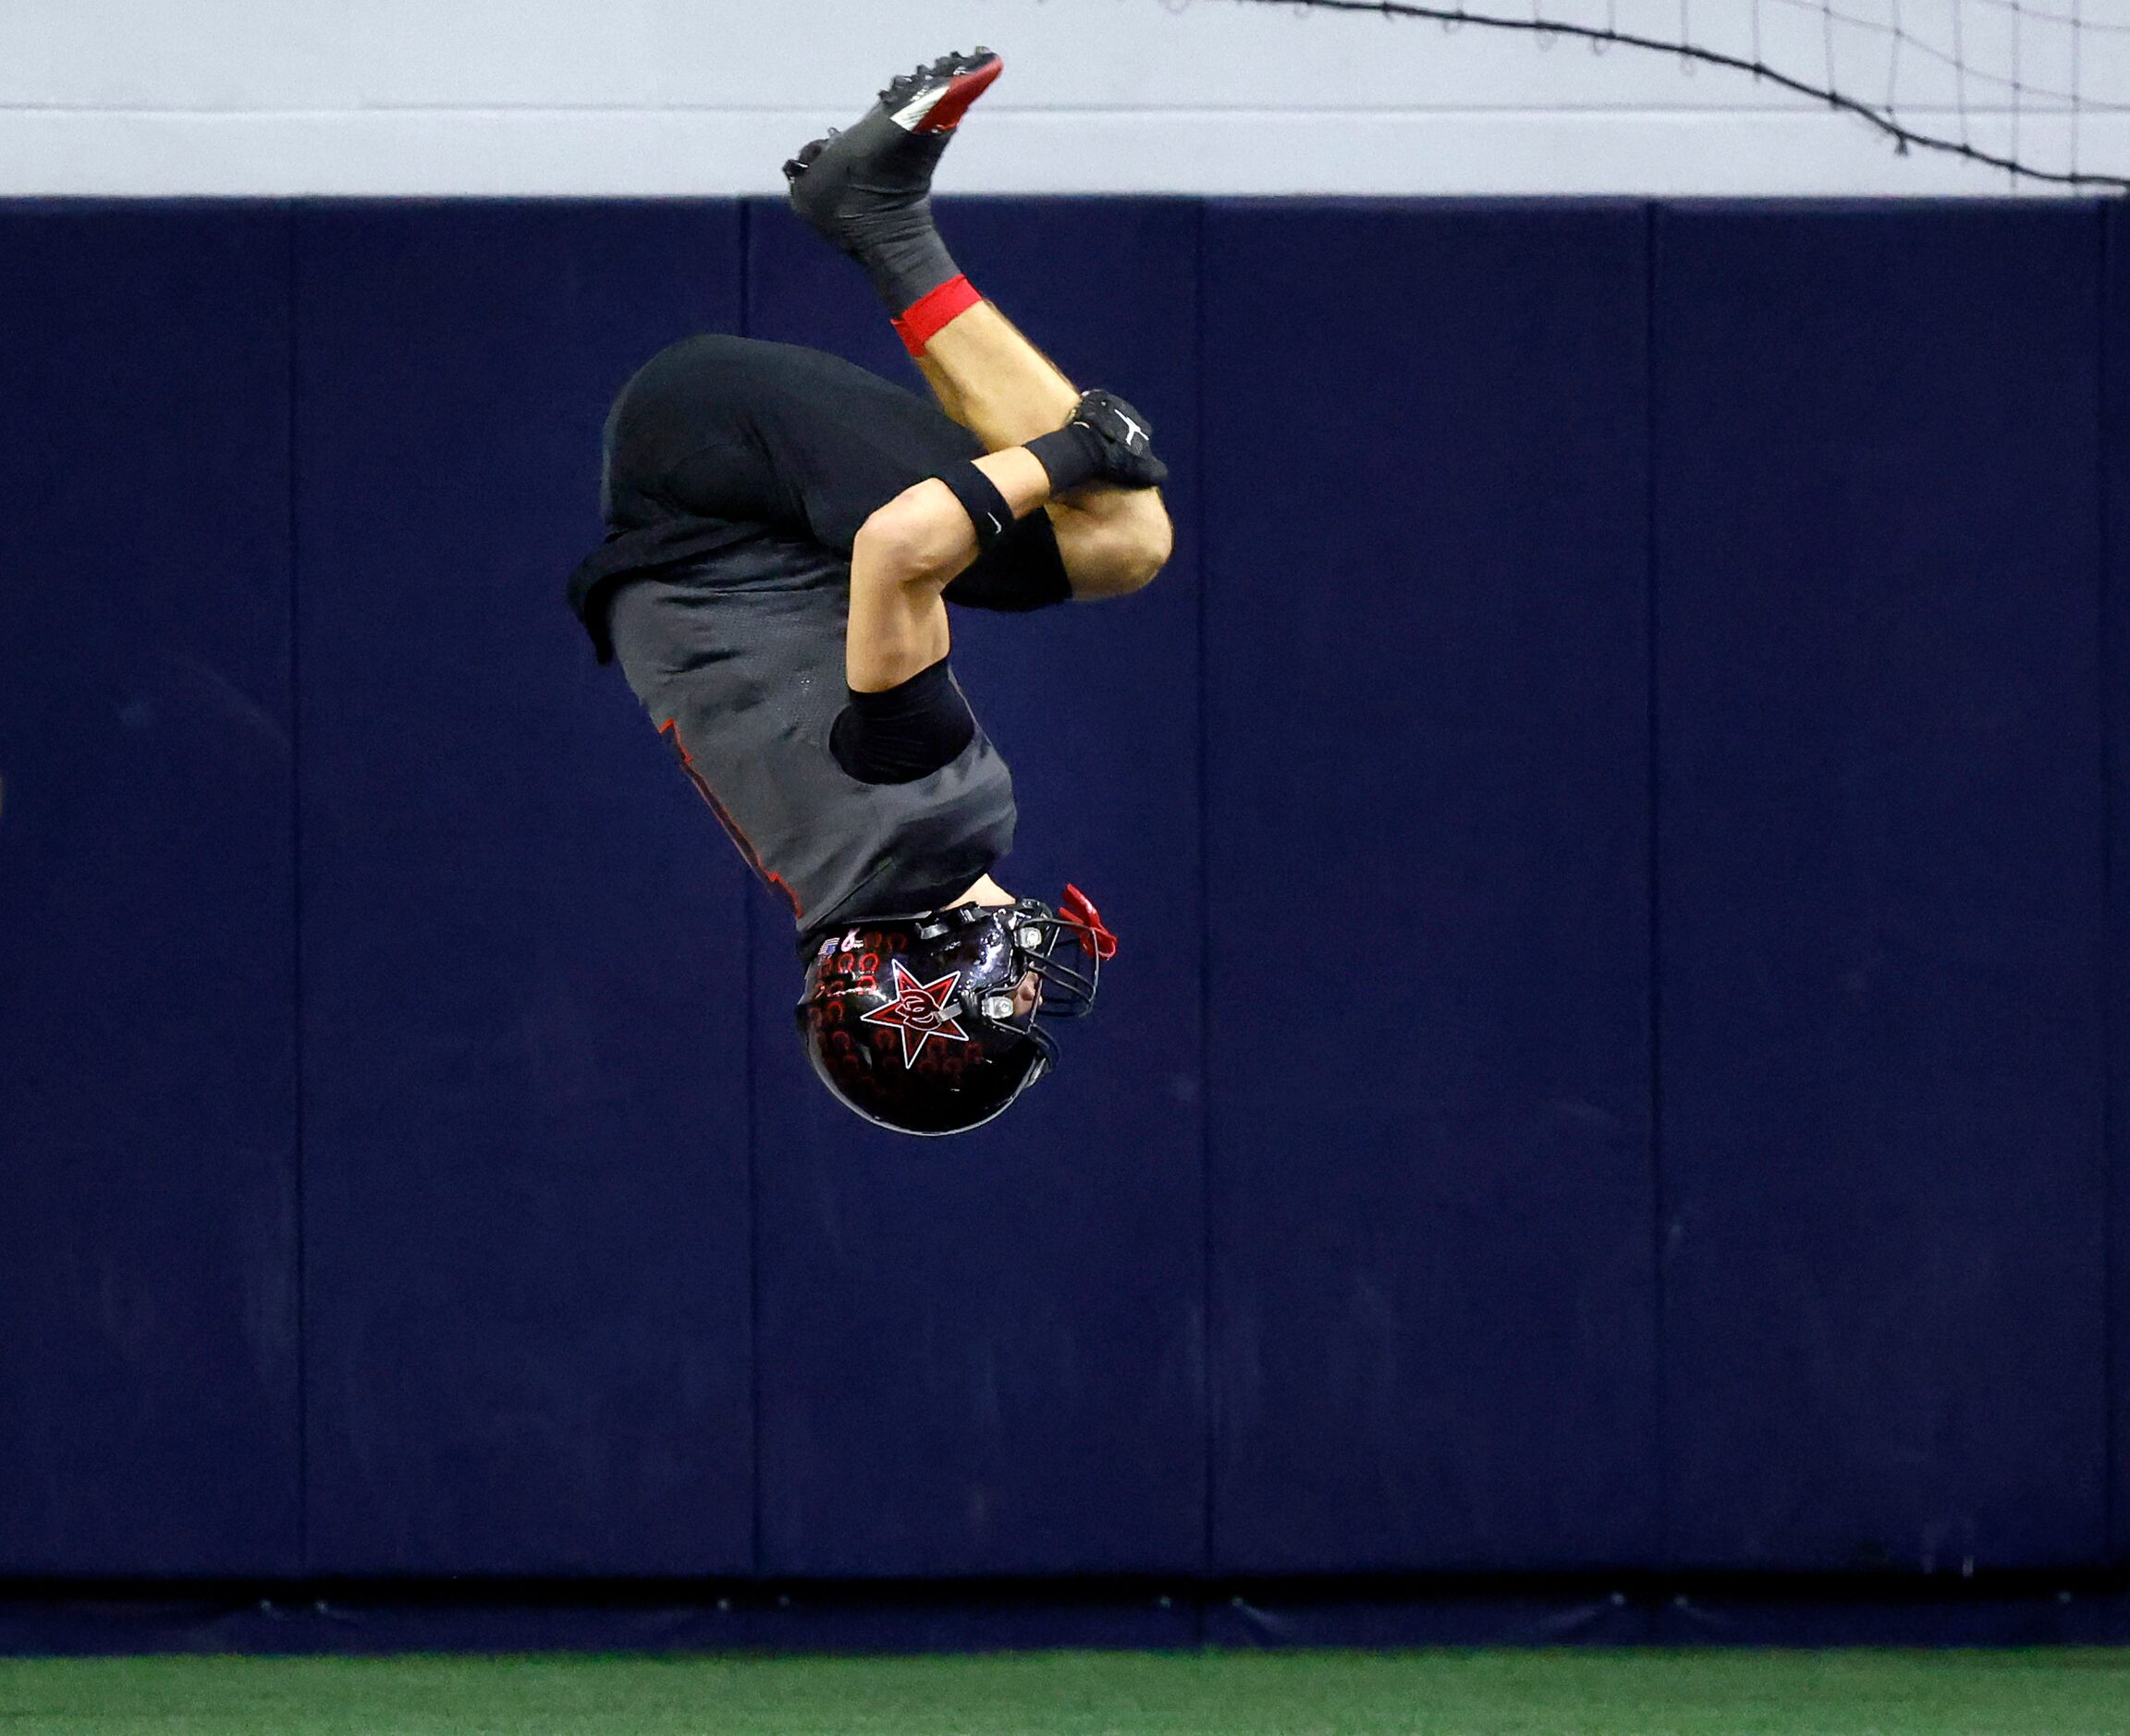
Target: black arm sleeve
(906, 733)
(990, 513)
(1021, 570)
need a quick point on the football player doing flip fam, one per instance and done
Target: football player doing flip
(785, 532)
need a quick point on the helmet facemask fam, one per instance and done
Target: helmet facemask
(1064, 948)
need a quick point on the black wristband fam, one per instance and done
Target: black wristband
(1072, 455)
(990, 512)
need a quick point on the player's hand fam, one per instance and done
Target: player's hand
(1126, 438)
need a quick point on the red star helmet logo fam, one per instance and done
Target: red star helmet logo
(919, 1012)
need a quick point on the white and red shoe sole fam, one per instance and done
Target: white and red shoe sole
(941, 109)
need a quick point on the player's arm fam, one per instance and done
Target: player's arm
(990, 378)
(909, 550)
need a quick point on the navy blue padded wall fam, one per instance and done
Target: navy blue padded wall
(1880, 824)
(984, 1354)
(524, 974)
(2115, 718)
(148, 1356)
(1427, 971)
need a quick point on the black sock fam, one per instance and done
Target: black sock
(908, 262)
(898, 245)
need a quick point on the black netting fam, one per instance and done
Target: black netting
(2006, 83)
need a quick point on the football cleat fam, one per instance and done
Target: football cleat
(934, 98)
(865, 185)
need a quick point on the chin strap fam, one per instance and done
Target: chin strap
(1077, 911)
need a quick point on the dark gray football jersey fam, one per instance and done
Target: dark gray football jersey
(740, 663)
(736, 474)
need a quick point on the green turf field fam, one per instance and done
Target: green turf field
(1439, 1693)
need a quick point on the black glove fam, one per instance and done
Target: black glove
(1105, 441)
(1127, 440)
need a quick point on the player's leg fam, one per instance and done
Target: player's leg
(993, 381)
(868, 190)
(998, 385)
(682, 436)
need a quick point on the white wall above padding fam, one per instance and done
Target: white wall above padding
(678, 97)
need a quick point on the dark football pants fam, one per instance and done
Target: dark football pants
(739, 430)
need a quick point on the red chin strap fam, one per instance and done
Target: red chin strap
(1077, 911)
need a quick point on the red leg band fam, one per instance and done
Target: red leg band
(924, 318)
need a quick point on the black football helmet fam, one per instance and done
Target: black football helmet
(917, 1022)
